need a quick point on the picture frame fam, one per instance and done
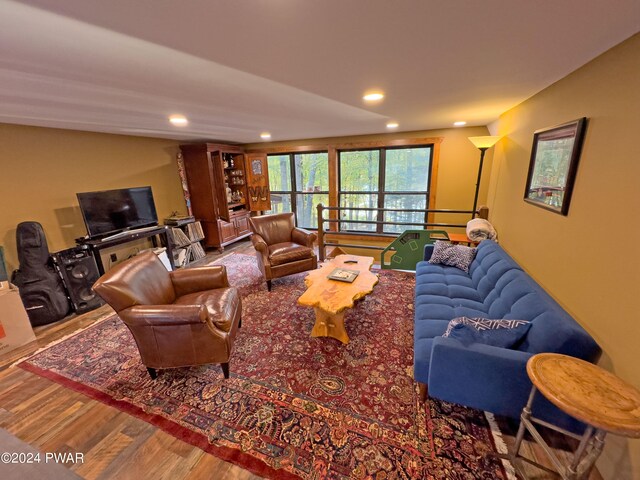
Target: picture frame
(553, 165)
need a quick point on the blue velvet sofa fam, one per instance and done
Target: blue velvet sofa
(478, 375)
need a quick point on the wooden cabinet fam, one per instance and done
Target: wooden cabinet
(241, 223)
(227, 231)
(224, 189)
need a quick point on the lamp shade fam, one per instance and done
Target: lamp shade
(484, 142)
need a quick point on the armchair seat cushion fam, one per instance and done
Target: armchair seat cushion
(287, 252)
(221, 304)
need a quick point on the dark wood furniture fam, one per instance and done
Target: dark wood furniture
(152, 233)
(225, 187)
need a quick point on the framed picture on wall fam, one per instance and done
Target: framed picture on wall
(553, 165)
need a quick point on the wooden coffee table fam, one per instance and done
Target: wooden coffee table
(331, 298)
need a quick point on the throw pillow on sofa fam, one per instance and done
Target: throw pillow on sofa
(498, 333)
(457, 256)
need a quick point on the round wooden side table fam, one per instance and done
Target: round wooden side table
(604, 402)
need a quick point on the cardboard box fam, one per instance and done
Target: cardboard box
(15, 329)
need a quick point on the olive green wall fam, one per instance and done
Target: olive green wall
(458, 165)
(586, 260)
(44, 168)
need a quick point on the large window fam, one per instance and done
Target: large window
(392, 178)
(298, 182)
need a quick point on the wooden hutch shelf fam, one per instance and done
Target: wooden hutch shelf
(225, 187)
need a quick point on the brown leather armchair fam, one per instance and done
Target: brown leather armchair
(282, 248)
(178, 319)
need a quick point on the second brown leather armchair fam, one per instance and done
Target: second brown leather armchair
(178, 319)
(282, 248)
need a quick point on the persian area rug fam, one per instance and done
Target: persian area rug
(295, 406)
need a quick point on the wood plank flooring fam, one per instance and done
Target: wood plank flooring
(53, 418)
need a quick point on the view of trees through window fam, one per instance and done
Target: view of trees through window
(298, 182)
(393, 178)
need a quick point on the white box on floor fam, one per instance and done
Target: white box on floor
(15, 329)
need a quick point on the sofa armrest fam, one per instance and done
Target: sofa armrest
(192, 280)
(489, 378)
(480, 376)
(164, 315)
(428, 251)
(303, 237)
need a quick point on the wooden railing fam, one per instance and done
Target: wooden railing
(483, 212)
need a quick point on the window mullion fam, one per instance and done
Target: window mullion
(294, 187)
(381, 185)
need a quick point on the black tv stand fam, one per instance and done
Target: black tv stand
(97, 244)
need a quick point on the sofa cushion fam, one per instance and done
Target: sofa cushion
(430, 328)
(479, 375)
(457, 256)
(499, 333)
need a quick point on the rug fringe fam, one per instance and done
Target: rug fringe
(500, 444)
(62, 339)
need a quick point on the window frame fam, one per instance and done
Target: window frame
(381, 192)
(295, 189)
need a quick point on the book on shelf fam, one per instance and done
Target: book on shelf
(199, 231)
(197, 252)
(181, 258)
(195, 232)
(187, 256)
(179, 237)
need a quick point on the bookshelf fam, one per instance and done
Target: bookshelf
(186, 240)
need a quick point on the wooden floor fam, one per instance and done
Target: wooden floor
(116, 445)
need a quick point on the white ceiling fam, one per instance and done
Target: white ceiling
(295, 68)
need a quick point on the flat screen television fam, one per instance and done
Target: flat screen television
(113, 211)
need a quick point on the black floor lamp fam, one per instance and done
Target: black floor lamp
(483, 144)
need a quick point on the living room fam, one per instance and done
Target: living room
(48, 158)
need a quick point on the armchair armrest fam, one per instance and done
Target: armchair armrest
(198, 279)
(303, 237)
(164, 315)
(480, 376)
(161, 316)
(259, 244)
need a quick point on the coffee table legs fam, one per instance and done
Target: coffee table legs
(330, 325)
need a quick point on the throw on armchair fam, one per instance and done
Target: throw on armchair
(282, 249)
(178, 319)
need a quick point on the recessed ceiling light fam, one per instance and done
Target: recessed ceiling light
(392, 125)
(373, 96)
(459, 124)
(178, 120)
(265, 135)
